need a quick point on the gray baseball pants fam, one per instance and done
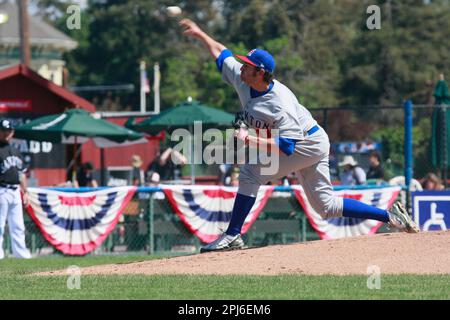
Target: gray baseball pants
(310, 164)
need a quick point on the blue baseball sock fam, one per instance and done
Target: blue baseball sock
(357, 209)
(241, 208)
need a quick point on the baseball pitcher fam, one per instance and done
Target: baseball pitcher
(303, 146)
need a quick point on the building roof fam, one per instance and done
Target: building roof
(63, 93)
(41, 33)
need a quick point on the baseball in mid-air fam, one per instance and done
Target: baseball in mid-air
(173, 11)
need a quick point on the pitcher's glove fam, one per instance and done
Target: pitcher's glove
(240, 130)
(239, 121)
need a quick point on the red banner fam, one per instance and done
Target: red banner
(15, 105)
(77, 223)
(206, 210)
(335, 228)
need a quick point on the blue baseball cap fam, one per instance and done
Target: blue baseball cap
(259, 58)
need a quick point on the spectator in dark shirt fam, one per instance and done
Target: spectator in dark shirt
(138, 176)
(85, 177)
(165, 167)
(376, 170)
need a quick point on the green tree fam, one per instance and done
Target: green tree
(385, 66)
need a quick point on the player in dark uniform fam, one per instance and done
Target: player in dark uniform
(12, 178)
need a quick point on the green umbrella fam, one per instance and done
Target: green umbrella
(440, 124)
(77, 126)
(183, 116)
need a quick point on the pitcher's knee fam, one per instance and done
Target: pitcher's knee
(328, 209)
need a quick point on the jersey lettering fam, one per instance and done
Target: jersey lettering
(10, 162)
(257, 123)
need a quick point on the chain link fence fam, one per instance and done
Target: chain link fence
(352, 129)
(149, 225)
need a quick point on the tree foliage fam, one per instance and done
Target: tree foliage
(324, 51)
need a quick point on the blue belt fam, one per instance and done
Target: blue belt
(312, 130)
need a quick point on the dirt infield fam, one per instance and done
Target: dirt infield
(393, 253)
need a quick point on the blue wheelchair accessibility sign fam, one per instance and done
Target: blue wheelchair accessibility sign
(431, 209)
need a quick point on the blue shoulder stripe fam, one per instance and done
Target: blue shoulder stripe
(220, 59)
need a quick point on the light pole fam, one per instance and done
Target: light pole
(156, 82)
(24, 29)
(3, 17)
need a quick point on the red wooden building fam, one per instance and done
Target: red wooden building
(25, 95)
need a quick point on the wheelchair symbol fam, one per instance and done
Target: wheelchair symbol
(436, 219)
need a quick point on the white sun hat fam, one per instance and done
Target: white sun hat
(348, 160)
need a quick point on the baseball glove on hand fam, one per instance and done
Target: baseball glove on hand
(240, 132)
(239, 121)
(240, 127)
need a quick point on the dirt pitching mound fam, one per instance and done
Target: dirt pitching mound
(393, 253)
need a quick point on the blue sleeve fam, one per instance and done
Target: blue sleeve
(286, 145)
(223, 55)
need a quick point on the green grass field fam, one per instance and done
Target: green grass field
(17, 282)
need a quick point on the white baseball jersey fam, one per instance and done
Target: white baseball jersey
(277, 109)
